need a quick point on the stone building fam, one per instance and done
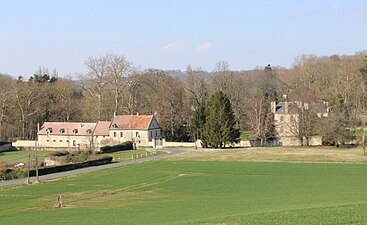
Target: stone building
(288, 125)
(143, 130)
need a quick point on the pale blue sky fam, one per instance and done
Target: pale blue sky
(173, 34)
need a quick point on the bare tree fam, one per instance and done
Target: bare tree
(95, 81)
(67, 98)
(261, 120)
(221, 77)
(118, 71)
(303, 124)
(5, 95)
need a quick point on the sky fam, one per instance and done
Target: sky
(172, 34)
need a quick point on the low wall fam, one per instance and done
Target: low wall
(21, 144)
(166, 144)
(178, 144)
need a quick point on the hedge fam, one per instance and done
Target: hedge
(56, 169)
(127, 145)
(9, 174)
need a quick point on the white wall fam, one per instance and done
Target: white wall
(65, 141)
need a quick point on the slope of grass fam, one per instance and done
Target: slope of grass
(130, 154)
(196, 192)
(14, 157)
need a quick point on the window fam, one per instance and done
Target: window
(156, 133)
(74, 143)
(67, 140)
(151, 133)
(114, 134)
(54, 140)
(48, 140)
(137, 134)
(121, 134)
(48, 131)
(60, 140)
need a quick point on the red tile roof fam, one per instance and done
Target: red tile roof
(132, 122)
(67, 128)
(102, 128)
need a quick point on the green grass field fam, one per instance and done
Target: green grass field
(129, 154)
(14, 157)
(196, 192)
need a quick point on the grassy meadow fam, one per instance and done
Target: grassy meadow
(14, 157)
(182, 191)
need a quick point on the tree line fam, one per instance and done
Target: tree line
(181, 103)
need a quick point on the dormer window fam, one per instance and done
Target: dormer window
(75, 131)
(114, 125)
(62, 130)
(48, 131)
(89, 131)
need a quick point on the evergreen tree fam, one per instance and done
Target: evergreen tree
(197, 124)
(219, 128)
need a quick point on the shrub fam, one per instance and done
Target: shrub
(60, 153)
(127, 145)
(3, 165)
(9, 174)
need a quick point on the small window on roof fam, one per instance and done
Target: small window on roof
(89, 131)
(62, 130)
(114, 125)
(75, 131)
(49, 130)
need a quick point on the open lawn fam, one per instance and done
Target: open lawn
(14, 157)
(196, 192)
(279, 154)
(129, 154)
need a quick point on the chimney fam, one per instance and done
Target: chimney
(305, 105)
(286, 104)
(273, 105)
(286, 107)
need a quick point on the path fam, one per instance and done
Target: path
(171, 151)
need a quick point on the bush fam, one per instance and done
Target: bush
(9, 174)
(60, 153)
(127, 145)
(77, 157)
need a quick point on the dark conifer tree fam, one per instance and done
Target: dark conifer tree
(219, 129)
